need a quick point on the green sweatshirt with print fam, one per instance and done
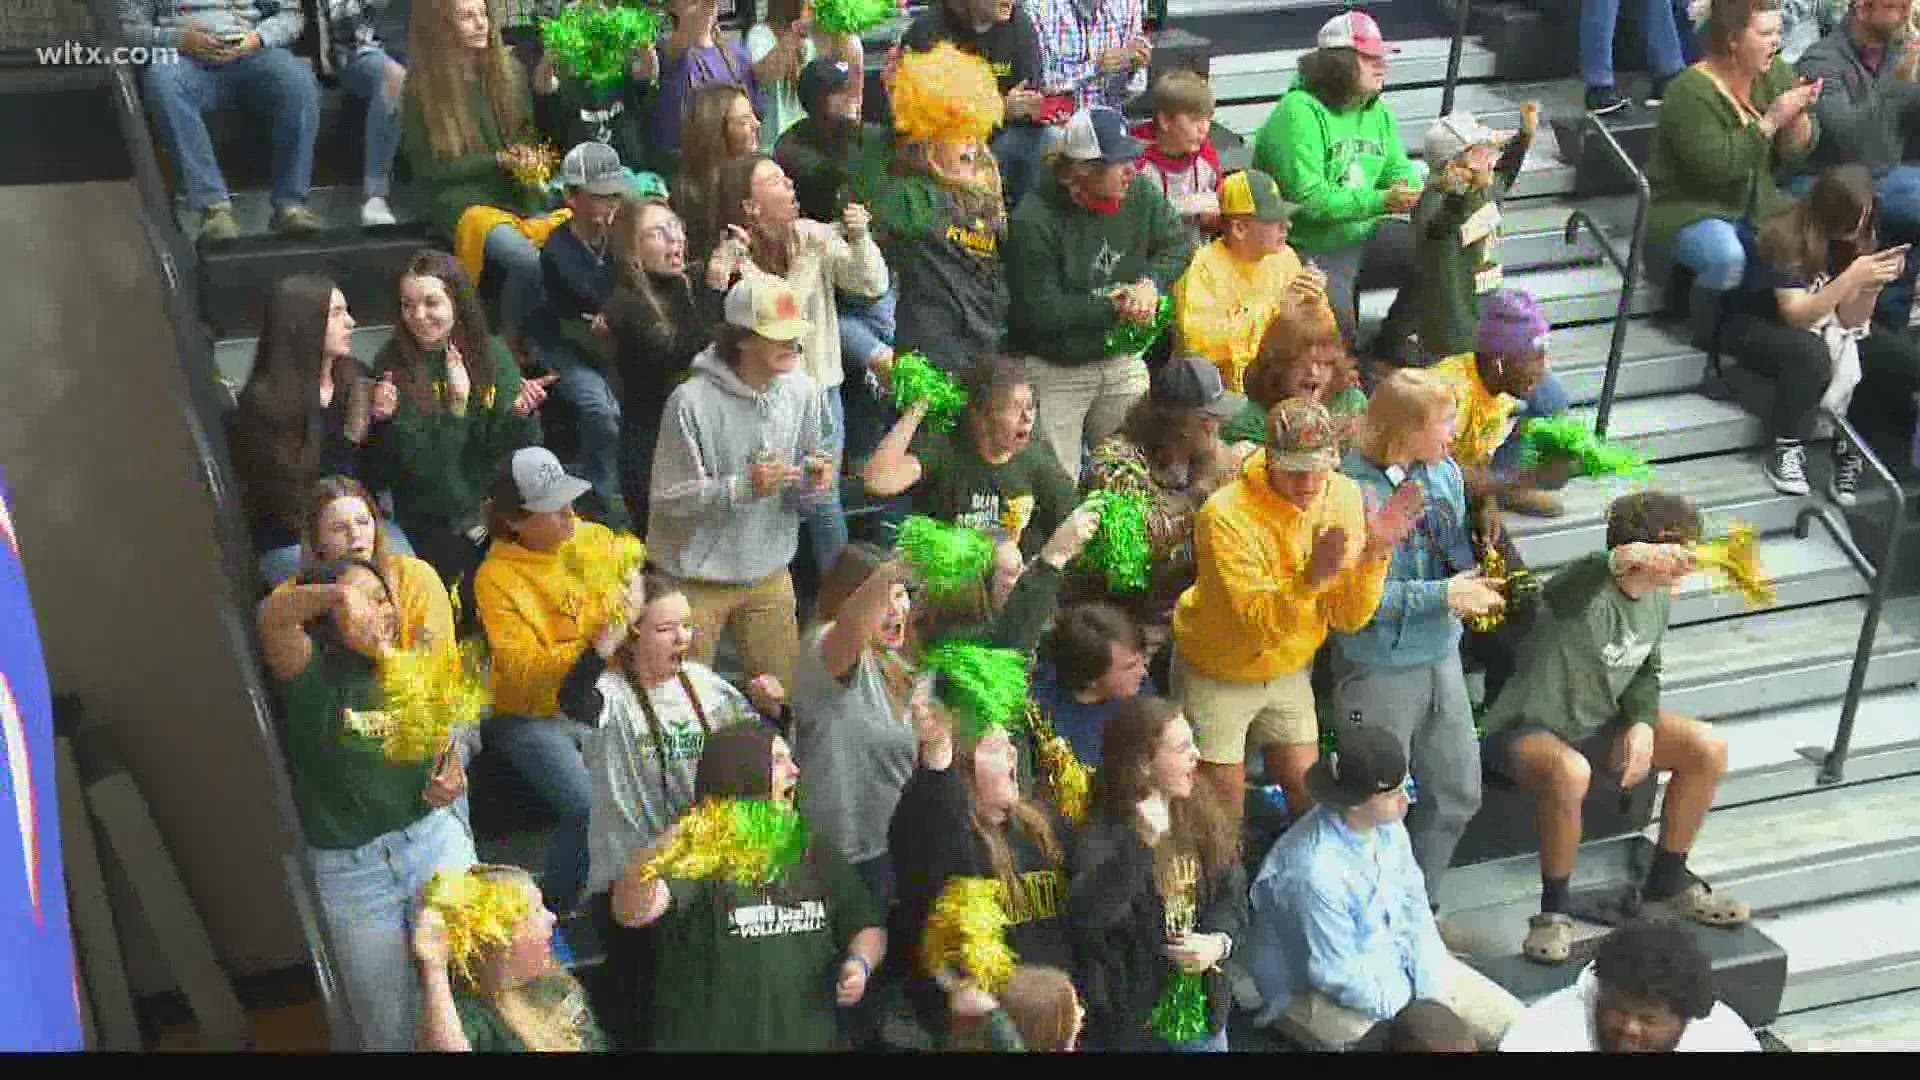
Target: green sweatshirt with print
(1336, 165)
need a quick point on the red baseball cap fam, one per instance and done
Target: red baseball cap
(1355, 30)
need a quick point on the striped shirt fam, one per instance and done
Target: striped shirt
(1072, 37)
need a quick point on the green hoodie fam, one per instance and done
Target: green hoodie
(1062, 258)
(440, 464)
(1336, 165)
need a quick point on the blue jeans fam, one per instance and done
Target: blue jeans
(1659, 30)
(1017, 149)
(366, 78)
(583, 387)
(523, 290)
(545, 752)
(366, 898)
(1215, 1043)
(270, 82)
(866, 329)
(1899, 190)
(1711, 248)
(1549, 398)
(280, 564)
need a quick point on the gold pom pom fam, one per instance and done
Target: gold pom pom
(429, 692)
(482, 906)
(1070, 781)
(967, 933)
(946, 95)
(1735, 560)
(601, 570)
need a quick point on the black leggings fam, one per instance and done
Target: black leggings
(1800, 365)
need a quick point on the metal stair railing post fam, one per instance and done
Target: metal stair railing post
(1629, 267)
(1463, 9)
(1833, 760)
(195, 350)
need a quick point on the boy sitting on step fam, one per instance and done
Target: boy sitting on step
(1586, 698)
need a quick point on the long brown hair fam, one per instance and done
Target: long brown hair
(771, 247)
(1040, 1001)
(850, 569)
(1817, 236)
(1156, 427)
(438, 77)
(703, 152)
(1129, 741)
(1024, 815)
(1298, 331)
(469, 333)
(324, 492)
(628, 273)
(1333, 76)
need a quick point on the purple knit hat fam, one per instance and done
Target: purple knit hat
(1510, 324)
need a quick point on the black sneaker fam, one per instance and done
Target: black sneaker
(1787, 468)
(1602, 100)
(1844, 484)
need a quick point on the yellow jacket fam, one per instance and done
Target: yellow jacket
(426, 610)
(1483, 420)
(1222, 305)
(538, 618)
(1251, 614)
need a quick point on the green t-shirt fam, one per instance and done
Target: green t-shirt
(346, 792)
(1029, 492)
(487, 1031)
(753, 970)
(1627, 631)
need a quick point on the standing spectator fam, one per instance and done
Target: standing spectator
(1285, 553)
(784, 46)
(463, 407)
(694, 54)
(1157, 884)
(1659, 35)
(1334, 147)
(1001, 33)
(343, 522)
(1457, 222)
(375, 830)
(1224, 303)
(232, 52)
(614, 114)
(1649, 990)
(1340, 936)
(1093, 661)
(1179, 156)
(721, 127)
(741, 452)
(1300, 354)
(1095, 50)
(661, 315)
(358, 34)
(1096, 246)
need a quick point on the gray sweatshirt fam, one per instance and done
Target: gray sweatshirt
(1863, 114)
(706, 523)
(161, 23)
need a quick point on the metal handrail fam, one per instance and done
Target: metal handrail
(1628, 267)
(1463, 9)
(1833, 760)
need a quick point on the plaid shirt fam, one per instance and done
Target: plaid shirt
(1071, 41)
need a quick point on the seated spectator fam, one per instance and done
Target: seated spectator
(1401, 673)
(1508, 368)
(1236, 285)
(649, 710)
(1095, 247)
(763, 992)
(963, 814)
(512, 995)
(342, 521)
(321, 641)
(1649, 990)
(1179, 156)
(1170, 452)
(1037, 1011)
(1156, 886)
(661, 315)
(1092, 662)
(695, 54)
(1340, 936)
(1866, 119)
(358, 34)
(987, 473)
(1586, 698)
(577, 271)
(538, 616)
(1456, 225)
(303, 414)
(462, 408)
(721, 127)
(783, 46)
(1301, 354)
(1804, 315)
(1333, 145)
(231, 52)
(1423, 1027)
(1001, 33)
(1728, 124)
(467, 100)
(1097, 51)
(741, 453)
(1285, 552)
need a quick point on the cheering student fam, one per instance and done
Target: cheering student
(755, 969)
(1237, 284)
(343, 522)
(720, 127)
(1301, 355)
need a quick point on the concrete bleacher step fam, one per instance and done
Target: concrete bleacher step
(1680, 425)
(1862, 947)
(1777, 753)
(1773, 660)
(1886, 1023)
(1567, 295)
(1252, 76)
(1654, 359)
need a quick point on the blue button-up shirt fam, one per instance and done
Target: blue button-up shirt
(1344, 913)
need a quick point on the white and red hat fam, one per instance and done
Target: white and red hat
(1355, 30)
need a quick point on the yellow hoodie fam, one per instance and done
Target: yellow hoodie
(1222, 305)
(538, 618)
(1251, 614)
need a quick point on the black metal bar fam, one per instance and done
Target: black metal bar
(1629, 274)
(1462, 10)
(1838, 531)
(1579, 218)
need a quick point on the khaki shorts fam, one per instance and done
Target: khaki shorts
(1228, 716)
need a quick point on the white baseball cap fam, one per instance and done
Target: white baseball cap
(1354, 30)
(1450, 136)
(544, 485)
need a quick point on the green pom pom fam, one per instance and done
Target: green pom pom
(988, 685)
(1181, 1013)
(1120, 546)
(949, 557)
(762, 825)
(915, 379)
(1568, 436)
(1129, 338)
(851, 16)
(590, 39)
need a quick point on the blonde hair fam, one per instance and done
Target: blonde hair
(438, 77)
(1041, 1003)
(543, 1028)
(1403, 402)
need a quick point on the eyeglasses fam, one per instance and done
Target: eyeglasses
(665, 233)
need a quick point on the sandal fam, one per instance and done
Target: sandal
(1549, 938)
(1701, 904)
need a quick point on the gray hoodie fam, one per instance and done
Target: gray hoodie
(706, 523)
(162, 23)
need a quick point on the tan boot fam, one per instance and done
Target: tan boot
(1533, 502)
(294, 220)
(217, 225)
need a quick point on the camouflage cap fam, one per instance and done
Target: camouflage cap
(1302, 437)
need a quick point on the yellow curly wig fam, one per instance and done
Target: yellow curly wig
(946, 95)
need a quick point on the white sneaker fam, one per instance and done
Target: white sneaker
(375, 212)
